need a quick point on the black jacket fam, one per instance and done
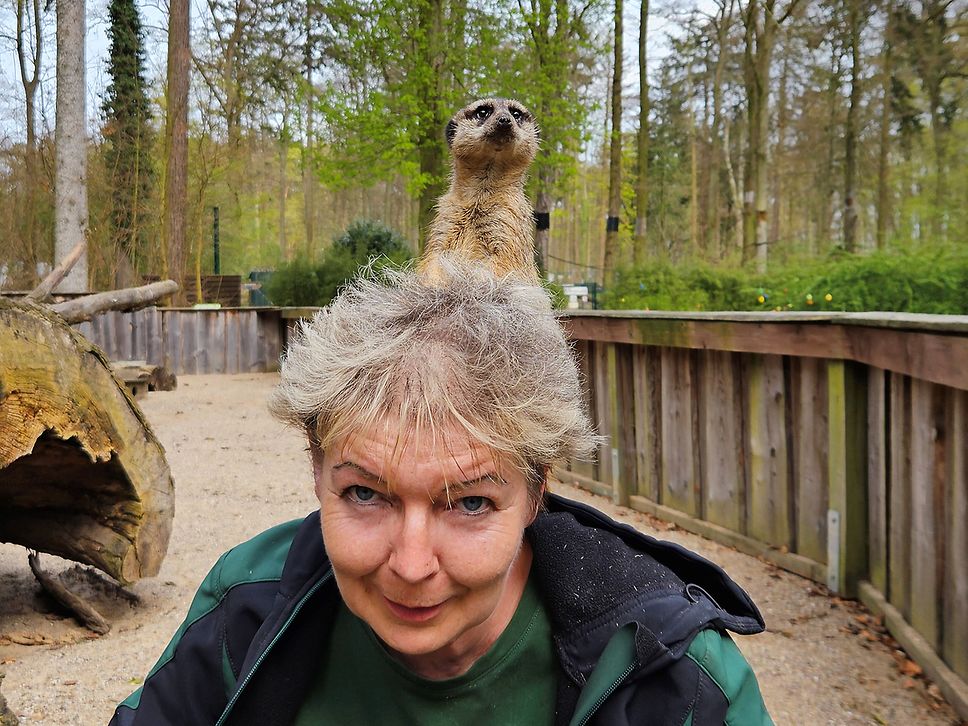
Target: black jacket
(639, 629)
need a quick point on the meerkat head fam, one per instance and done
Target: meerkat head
(497, 129)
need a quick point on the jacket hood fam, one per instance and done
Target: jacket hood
(618, 576)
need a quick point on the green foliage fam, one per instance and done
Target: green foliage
(128, 136)
(928, 280)
(363, 243)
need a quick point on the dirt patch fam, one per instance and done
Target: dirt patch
(238, 472)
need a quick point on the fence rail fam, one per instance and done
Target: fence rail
(834, 445)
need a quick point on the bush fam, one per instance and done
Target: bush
(933, 280)
(299, 282)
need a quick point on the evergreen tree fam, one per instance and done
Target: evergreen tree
(128, 139)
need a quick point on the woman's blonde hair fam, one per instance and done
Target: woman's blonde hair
(473, 351)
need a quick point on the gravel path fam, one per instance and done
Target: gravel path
(238, 472)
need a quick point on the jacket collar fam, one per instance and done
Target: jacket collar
(597, 575)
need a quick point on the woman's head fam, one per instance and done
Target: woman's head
(473, 354)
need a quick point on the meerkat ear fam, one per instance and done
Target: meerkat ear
(451, 131)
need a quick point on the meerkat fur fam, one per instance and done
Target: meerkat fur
(484, 215)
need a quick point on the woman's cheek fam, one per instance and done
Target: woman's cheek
(354, 543)
(477, 557)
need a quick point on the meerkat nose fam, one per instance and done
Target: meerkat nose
(504, 120)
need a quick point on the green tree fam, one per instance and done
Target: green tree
(128, 140)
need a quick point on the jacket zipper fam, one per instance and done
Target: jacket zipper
(265, 652)
(606, 693)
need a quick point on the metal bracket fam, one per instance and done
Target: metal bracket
(833, 550)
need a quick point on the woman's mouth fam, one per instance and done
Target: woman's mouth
(413, 614)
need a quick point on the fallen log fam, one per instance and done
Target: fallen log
(155, 378)
(82, 475)
(130, 298)
(86, 613)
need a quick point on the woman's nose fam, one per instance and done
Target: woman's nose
(412, 554)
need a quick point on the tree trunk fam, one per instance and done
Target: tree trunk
(612, 253)
(642, 143)
(850, 133)
(81, 474)
(175, 222)
(733, 191)
(71, 141)
(30, 83)
(883, 155)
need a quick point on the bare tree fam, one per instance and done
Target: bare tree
(854, 19)
(642, 142)
(612, 253)
(71, 221)
(29, 56)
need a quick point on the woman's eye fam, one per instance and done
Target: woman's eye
(473, 505)
(361, 494)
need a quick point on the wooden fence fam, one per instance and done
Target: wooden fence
(833, 445)
(227, 340)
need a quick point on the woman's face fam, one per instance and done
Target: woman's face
(436, 576)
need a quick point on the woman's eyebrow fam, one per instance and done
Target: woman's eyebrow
(492, 478)
(358, 469)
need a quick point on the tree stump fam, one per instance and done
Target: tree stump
(82, 475)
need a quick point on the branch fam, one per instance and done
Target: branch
(88, 616)
(131, 298)
(43, 290)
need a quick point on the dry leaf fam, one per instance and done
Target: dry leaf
(910, 668)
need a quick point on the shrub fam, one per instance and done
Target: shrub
(364, 242)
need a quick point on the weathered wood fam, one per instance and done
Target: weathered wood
(847, 473)
(954, 645)
(927, 516)
(721, 422)
(156, 378)
(86, 613)
(84, 308)
(47, 285)
(810, 433)
(81, 474)
(584, 468)
(647, 423)
(680, 471)
(933, 357)
(877, 472)
(899, 522)
(769, 496)
(603, 411)
(627, 477)
(953, 687)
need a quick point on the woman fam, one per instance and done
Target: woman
(440, 582)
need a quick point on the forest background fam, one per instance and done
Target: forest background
(778, 154)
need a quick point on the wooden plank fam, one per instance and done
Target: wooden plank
(203, 351)
(932, 356)
(171, 329)
(125, 325)
(810, 433)
(624, 414)
(847, 476)
(583, 468)
(768, 499)
(273, 325)
(953, 687)
(721, 446)
(877, 472)
(680, 471)
(927, 519)
(233, 347)
(139, 344)
(154, 344)
(787, 560)
(603, 411)
(899, 496)
(215, 334)
(954, 646)
(250, 342)
(188, 344)
(648, 422)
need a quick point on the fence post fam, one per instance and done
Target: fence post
(847, 535)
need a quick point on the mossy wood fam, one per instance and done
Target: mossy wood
(82, 475)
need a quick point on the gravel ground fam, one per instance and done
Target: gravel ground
(238, 472)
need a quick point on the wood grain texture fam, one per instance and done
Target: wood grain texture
(769, 497)
(721, 450)
(899, 496)
(878, 468)
(81, 474)
(810, 441)
(680, 471)
(624, 413)
(603, 410)
(954, 646)
(647, 424)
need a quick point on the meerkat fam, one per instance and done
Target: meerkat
(485, 215)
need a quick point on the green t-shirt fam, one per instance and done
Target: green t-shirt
(359, 683)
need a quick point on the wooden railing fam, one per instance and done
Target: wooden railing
(833, 445)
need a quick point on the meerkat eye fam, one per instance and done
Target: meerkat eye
(517, 114)
(483, 112)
